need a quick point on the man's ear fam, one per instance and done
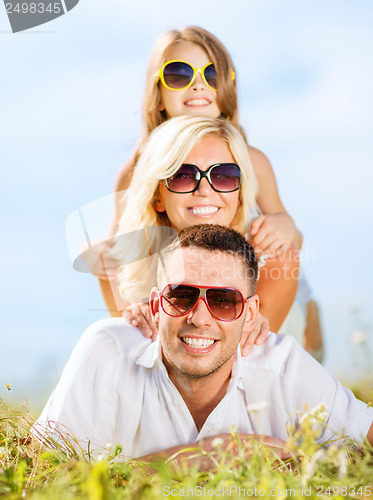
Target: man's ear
(252, 310)
(154, 304)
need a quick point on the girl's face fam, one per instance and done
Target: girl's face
(197, 99)
(203, 205)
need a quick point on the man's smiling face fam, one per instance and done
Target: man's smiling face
(197, 344)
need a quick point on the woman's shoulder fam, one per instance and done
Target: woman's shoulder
(265, 176)
(260, 161)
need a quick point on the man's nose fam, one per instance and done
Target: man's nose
(200, 316)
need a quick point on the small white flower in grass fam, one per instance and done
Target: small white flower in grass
(312, 465)
(308, 426)
(342, 462)
(109, 445)
(100, 458)
(257, 406)
(217, 443)
(315, 415)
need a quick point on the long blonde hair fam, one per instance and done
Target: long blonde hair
(164, 152)
(217, 54)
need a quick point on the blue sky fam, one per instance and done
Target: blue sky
(71, 95)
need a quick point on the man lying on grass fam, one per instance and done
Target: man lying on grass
(192, 385)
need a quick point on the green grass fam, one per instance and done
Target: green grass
(29, 471)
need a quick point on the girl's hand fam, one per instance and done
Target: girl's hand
(273, 233)
(256, 335)
(139, 315)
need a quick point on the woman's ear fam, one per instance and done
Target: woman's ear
(158, 206)
(154, 305)
(157, 202)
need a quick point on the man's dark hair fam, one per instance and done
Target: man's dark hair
(214, 237)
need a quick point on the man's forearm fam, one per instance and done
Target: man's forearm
(205, 452)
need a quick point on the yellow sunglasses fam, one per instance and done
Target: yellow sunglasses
(179, 75)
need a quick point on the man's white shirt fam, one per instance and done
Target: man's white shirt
(115, 389)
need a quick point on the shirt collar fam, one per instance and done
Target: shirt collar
(151, 356)
(236, 378)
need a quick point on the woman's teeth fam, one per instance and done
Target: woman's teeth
(195, 342)
(204, 210)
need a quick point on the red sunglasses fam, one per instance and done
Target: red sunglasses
(224, 304)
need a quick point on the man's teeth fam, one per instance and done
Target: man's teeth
(197, 102)
(195, 342)
(204, 210)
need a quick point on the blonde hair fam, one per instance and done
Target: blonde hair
(164, 152)
(217, 54)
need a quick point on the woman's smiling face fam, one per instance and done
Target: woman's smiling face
(203, 205)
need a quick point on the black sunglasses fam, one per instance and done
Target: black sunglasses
(222, 177)
(224, 304)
